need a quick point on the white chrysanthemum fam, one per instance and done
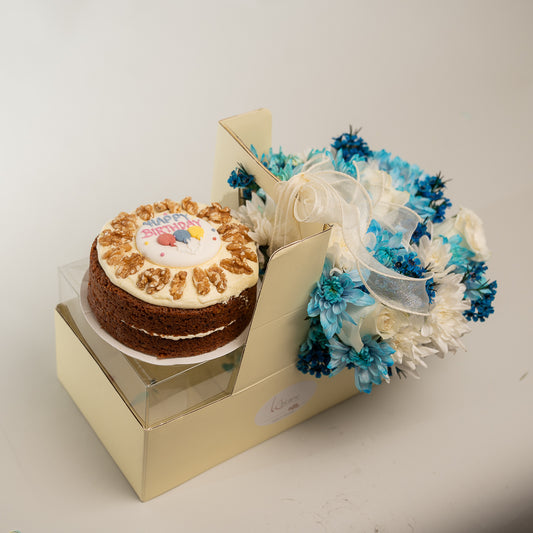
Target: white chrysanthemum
(411, 347)
(434, 256)
(259, 217)
(446, 323)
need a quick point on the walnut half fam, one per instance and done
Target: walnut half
(236, 265)
(153, 279)
(200, 281)
(216, 213)
(217, 278)
(190, 206)
(129, 265)
(114, 254)
(178, 285)
(146, 212)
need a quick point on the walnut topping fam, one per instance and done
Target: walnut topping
(167, 205)
(237, 233)
(110, 237)
(114, 254)
(237, 249)
(236, 237)
(129, 264)
(125, 222)
(178, 285)
(146, 212)
(189, 205)
(217, 278)
(236, 265)
(216, 213)
(153, 279)
(200, 281)
(233, 226)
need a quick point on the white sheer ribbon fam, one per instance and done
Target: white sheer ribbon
(321, 194)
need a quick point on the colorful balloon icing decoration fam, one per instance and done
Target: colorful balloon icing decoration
(166, 239)
(182, 235)
(197, 232)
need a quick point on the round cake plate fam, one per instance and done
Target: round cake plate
(152, 359)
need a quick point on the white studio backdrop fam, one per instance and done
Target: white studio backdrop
(105, 105)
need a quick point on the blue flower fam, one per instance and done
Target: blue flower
(420, 230)
(331, 295)
(481, 303)
(431, 188)
(240, 179)
(460, 255)
(479, 291)
(403, 174)
(351, 145)
(313, 356)
(426, 193)
(390, 252)
(283, 166)
(371, 364)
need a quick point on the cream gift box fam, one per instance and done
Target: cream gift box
(165, 424)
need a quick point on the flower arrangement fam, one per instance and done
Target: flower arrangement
(351, 325)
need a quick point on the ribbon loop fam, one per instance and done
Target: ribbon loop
(321, 194)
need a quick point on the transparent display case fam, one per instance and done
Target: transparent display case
(154, 394)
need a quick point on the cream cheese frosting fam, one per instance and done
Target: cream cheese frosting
(176, 240)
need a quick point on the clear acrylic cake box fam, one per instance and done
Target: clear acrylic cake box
(166, 424)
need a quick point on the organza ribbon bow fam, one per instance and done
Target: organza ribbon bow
(321, 194)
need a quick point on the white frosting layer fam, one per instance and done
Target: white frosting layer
(236, 283)
(183, 337)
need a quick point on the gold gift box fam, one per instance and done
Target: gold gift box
(165, 424)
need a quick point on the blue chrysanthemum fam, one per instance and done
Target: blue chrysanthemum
(371, 365)
(283, 166)
(461, 255)
(331, 295)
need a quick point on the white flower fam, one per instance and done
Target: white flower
(402, 332)
(379, 185)
(411, 347)
(434, 255)
(446, 323)
(470, 227)
(385, 322)
(338, 252)
(259, 217)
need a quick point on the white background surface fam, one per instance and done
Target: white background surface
(107, 105)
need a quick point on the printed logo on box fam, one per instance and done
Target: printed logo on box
(285, 403)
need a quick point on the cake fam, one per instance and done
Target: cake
(173, 279)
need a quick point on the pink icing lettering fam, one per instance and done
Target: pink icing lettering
(147, 233)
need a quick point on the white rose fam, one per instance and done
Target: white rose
(470, 227)
(379, 186)
(384, 321)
